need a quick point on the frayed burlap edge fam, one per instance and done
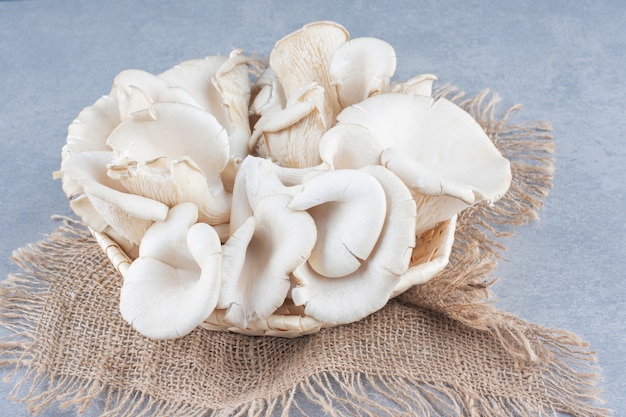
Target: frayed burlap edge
(461, 292)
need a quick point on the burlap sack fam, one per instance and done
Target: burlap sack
(440, 349)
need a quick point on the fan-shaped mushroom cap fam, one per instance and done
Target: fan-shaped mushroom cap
(348, 207)
(299, 63)
(89, 131)
(436, 148)
(290, 136)
(360, 68)
(174, 284)
(102, 202)
(196, 76)
(176, 130)
(259, 258)
(256, 179)
(175, 182)
(137, 90)
(268, 241)
(303, 57)
(221, 86)
(233, 83)
(352, 297)
(349, 146)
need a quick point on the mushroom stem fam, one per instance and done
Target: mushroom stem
(174, 284)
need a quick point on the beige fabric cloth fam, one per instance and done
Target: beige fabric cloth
(440, 349)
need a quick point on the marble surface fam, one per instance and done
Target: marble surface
(564, 61)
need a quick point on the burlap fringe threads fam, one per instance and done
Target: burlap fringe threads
(442, 349)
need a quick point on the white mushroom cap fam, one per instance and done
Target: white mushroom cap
(256, 178)
(348, 207)
(233, 83)
(174, 182)
(436, 148)
(290, 136)
(259, 258)
(174, 285)
(352, 297)
(349, 146)
(303, 57)
(221, 86)
(102, 202)
(196, 76)
(137, 90)
(177, 130)
(270, 93)
(268, 242)
(360, 68)
(320, 71)
(89, 131)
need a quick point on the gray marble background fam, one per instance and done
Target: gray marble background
(563, 60)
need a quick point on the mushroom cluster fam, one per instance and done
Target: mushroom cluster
(312, 184)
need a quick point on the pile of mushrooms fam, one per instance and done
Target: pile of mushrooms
(314, 182)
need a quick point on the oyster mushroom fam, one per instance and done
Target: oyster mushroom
(174, 284)
(137, 90)
(438, 150)
(102, 203)
(270, 93)
(348, 207)
(360, 68)
(233, 83)
(259, 258)
(304, 56)
(196, 76)
(349, 146)
(173, 130)
(221, 86)
(155, 150)
(300, 62)
(256, 179)
(265, 248)
(89, 131)
(291, 135)
(172, 182)
(354, 296)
